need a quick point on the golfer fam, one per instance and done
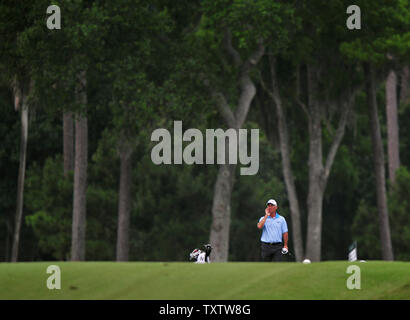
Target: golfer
(274, 240)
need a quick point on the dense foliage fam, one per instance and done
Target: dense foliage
(144, 62)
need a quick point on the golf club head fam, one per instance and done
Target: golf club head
(287, 253)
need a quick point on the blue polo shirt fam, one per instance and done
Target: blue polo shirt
(274, 228)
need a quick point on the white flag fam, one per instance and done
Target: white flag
(353, 252)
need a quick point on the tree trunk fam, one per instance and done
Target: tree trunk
(124, 204)
(316, 189)
(315, 165)
(405, 85)
(319, 170)
(286, 166)
(314, 227)
(221, 206)
(221, 212)
(378, 160)
(392, 126)
(80, 176)
(290, 185)
(21, 178)
(68, 142)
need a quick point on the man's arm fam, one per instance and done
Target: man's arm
(285, 240)
(262, 222)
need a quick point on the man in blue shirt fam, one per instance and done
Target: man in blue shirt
(274, 239)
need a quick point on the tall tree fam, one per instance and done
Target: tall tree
(17, 71)
(237, 48)
(378, 160)
(21, 95)
(80, 174)
(124, 204)
(221, 205)
(134, 85)
(319, 169)
(85, 48)
(392, 125)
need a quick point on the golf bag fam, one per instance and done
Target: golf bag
(201, 256)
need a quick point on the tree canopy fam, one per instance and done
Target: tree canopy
(239, 64)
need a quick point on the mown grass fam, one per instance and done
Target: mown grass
(217, 281)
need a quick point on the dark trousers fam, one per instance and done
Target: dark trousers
(271, 252)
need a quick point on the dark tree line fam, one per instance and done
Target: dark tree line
(89, 95)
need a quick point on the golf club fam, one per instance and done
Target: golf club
(288, 253)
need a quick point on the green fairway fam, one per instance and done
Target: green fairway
(177, 280)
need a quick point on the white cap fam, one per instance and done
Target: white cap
(272, 202)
